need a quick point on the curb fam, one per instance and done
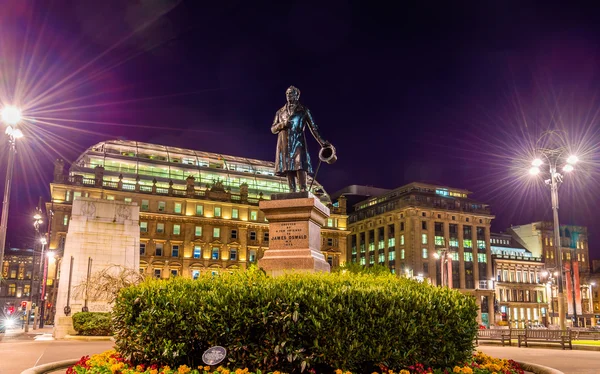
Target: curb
(88, 338)
(51, 366)
(537, 369)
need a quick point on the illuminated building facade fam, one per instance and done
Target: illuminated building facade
(17, 269)
(521, 297)
(538, 238)
(406, 229)
(198, 210)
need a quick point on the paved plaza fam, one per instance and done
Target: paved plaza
(37, 348)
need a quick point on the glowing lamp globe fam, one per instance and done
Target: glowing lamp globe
(537, 162)
(568, 168)
(572, 159)
(534, 170)
(11, 115)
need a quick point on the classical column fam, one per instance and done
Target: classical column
(367, 241)
(461, 256)
(491, 312)
(488, 253)
(475, 259)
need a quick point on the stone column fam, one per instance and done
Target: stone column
(367, 241)
(491, 312)
(475, 253)
(461, 256)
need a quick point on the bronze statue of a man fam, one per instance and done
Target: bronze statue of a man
(292, 158)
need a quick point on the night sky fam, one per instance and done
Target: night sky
(455, 93)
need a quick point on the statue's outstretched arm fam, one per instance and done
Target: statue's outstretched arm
(277, 126)
(314, 130)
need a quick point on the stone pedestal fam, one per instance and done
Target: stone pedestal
(295, 222)
(106, 231)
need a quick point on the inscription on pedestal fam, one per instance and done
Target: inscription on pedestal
(288, 235)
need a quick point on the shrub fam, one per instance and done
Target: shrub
(92, 323)
(294, 322)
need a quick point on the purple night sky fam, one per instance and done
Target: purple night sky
(454, 93)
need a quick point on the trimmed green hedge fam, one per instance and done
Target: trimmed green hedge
(293, 322)
(92, 323)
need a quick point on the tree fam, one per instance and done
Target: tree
(105, 285)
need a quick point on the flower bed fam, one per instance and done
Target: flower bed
(112, 362)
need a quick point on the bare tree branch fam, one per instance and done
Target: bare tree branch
(105, 285)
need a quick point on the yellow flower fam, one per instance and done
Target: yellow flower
(276, 372)
(153, 371)
(207, 368)
(183, 369)
(338, 371)
(403, 371)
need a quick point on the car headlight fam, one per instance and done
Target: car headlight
(9, 322)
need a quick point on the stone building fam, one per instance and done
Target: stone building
(18, 267)
(198, 210)
(521, 297)
(406, 229)
(538, 238)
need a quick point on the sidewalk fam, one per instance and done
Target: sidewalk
(19, 334)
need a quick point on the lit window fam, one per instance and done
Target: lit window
(175, 251)
(424, 238)
(195, 274)
(329, 222)
(391, 242)
(468, 243)
(468, 257)
(252, 256)
(402, 239)
(439, 240)
(127, 199)
(197, 251)
(199, 210)
(198, 231)
(424, 252)
(143, 226)
(161, 206)
(382, 258)
(363, 261)
(233, 254)
(177, 208)
(215, 253)
(145, 204)
(480, 244)
(391, 255)
(68, 196)
(481, 257)
(65, 219)
(371, 260)
(176, 229)
(217, 211)
(160, 228)
(234, 213)
(402, 254)
(253, 215)
(110, 197)
(453, 242)
(216, 232)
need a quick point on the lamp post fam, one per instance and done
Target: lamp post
(44, 264)
(11, 116)
(555, 158)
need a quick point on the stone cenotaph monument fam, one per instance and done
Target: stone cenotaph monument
(295, 218)
(108, 233)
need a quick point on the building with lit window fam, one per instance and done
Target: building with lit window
(538, 238)
(521, 279)
(198, 210)
(406, 229)
(17, 269)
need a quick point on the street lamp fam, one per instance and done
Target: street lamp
(555, 158)
(11, 116)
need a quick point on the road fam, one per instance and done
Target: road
(20, 351)
(567, 361)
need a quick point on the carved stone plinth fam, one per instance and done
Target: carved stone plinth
(295, 222)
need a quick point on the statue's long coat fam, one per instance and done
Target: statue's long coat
(292, 153)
